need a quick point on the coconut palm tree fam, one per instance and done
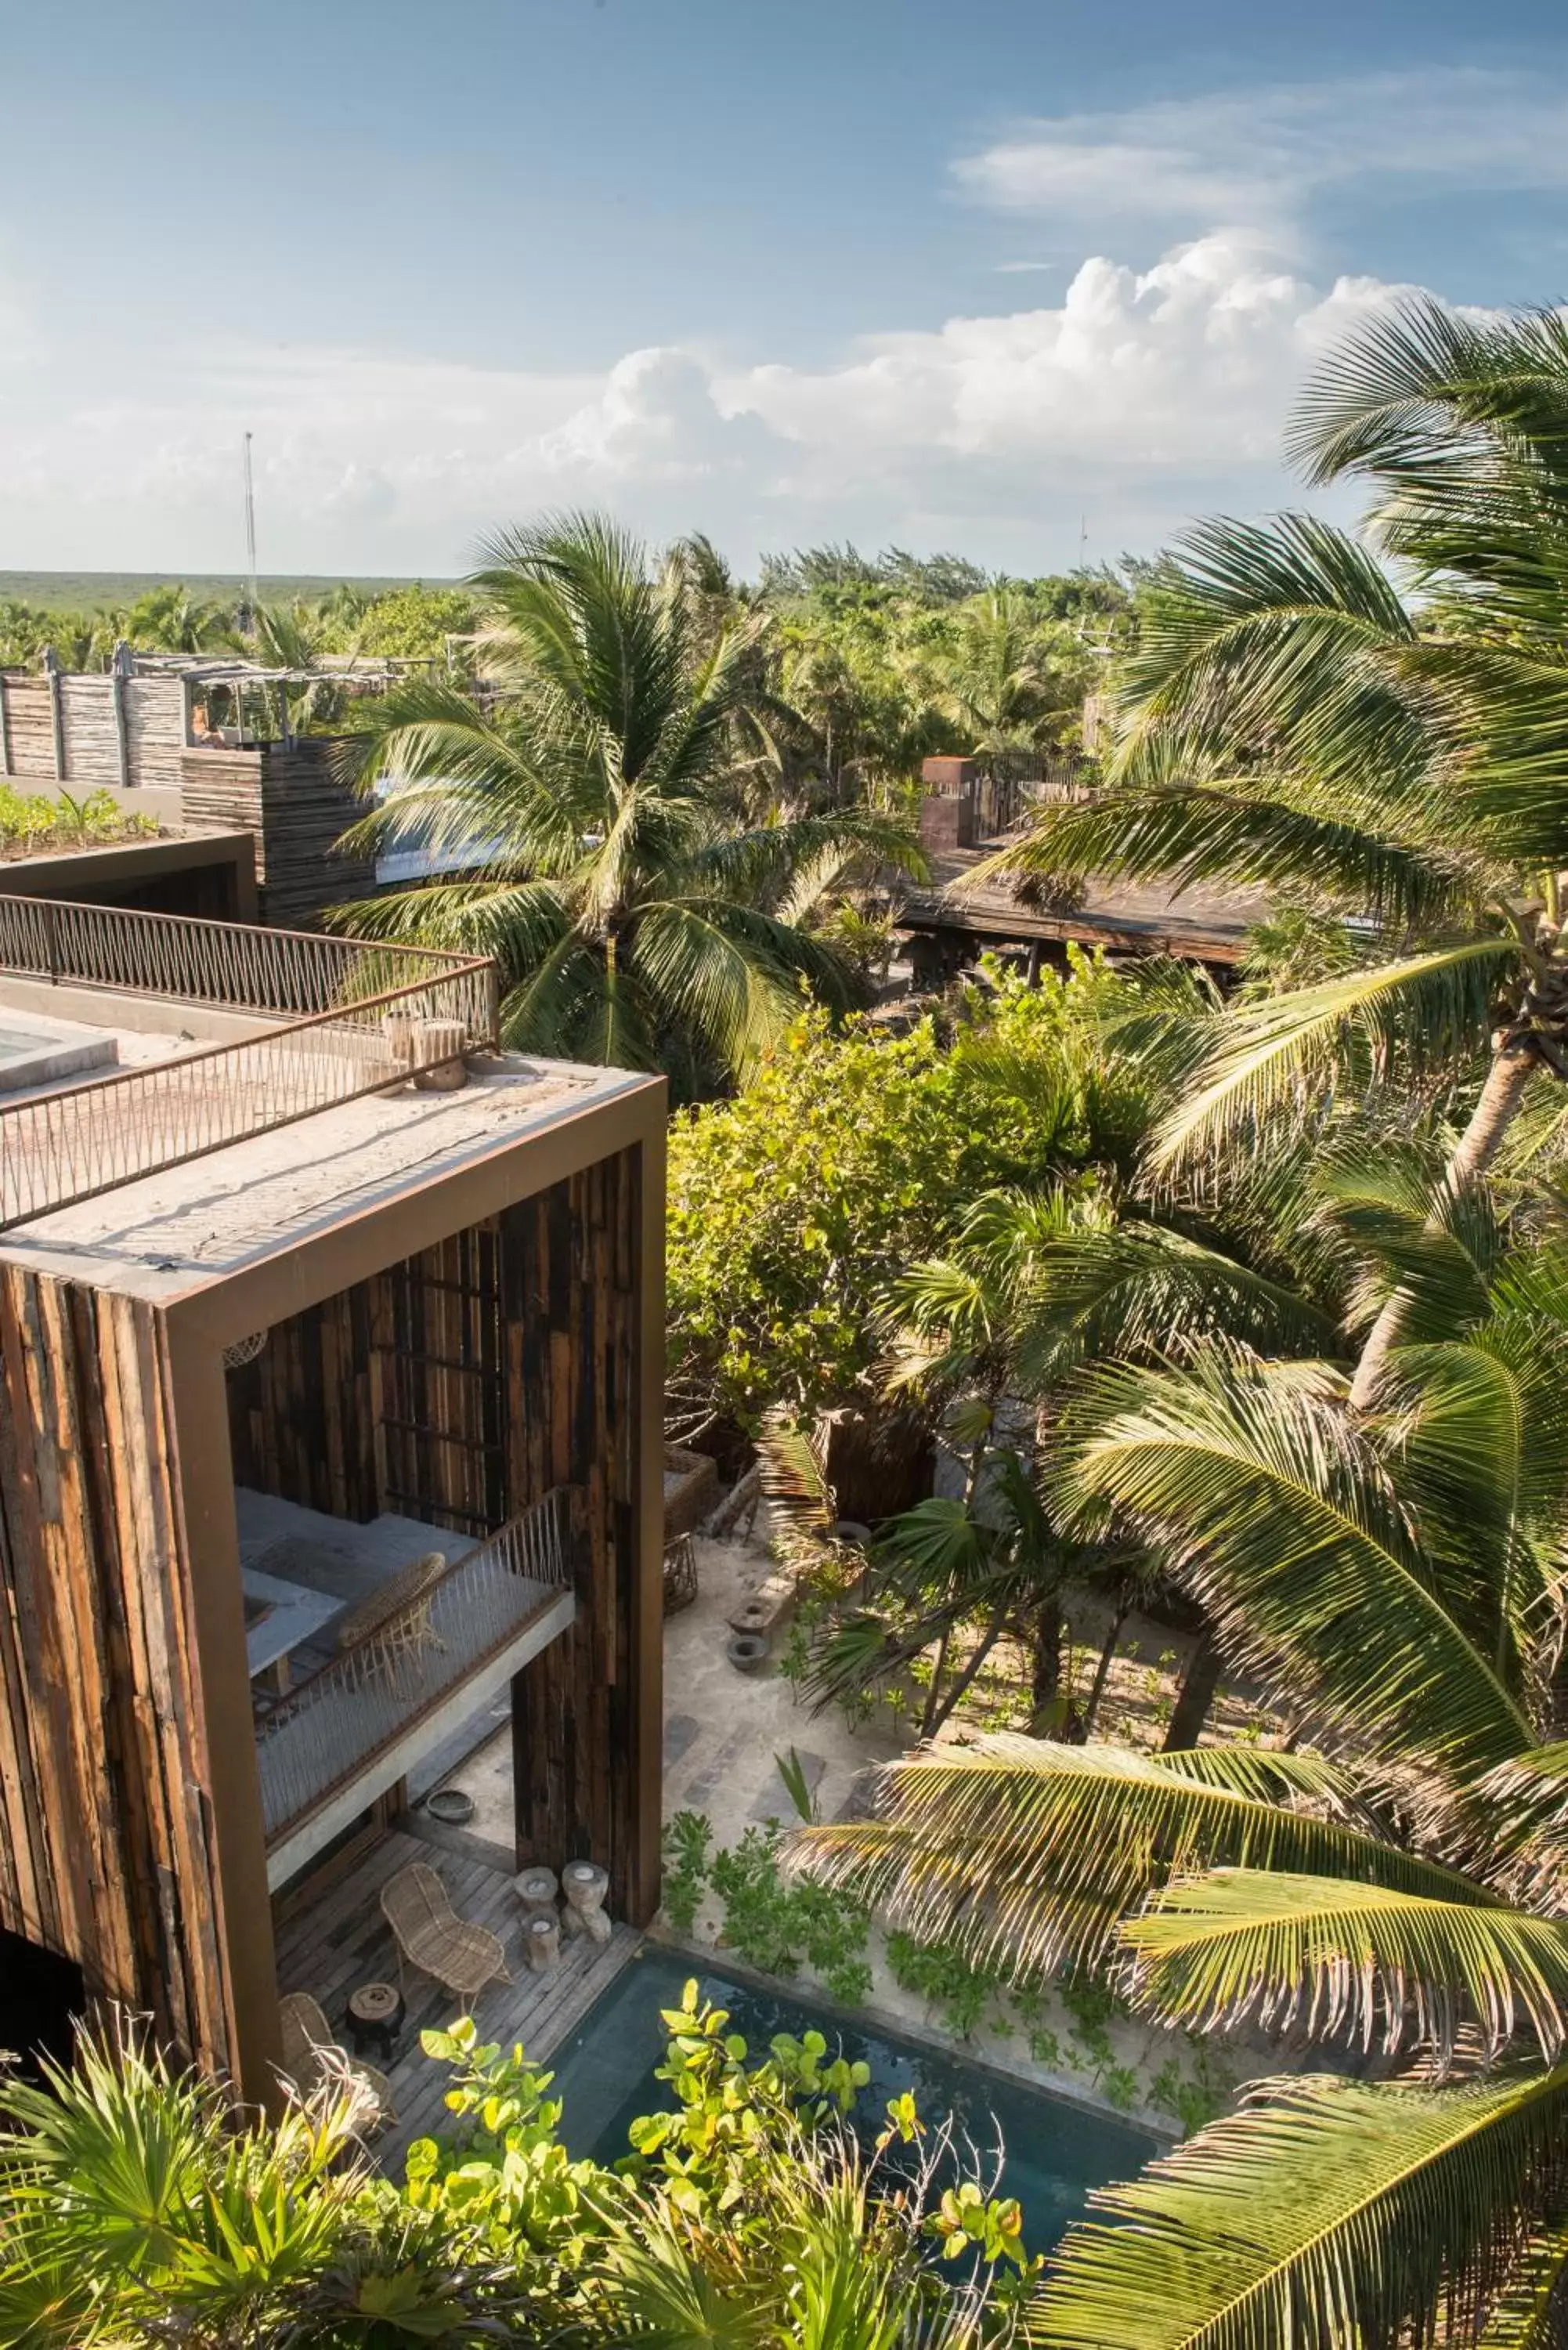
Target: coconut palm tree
(1397, 1579)
(170, 619)
(1292, 720)
(998, 680)
(636, 921)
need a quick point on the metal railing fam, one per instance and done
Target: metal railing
(241, 966)
(330, 1729)
(392, 1013)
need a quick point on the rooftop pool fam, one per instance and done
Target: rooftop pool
(1053, 2151)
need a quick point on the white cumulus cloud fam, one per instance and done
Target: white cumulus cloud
(1138, 397)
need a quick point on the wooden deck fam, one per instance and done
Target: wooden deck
(343, 1939)
(1210, 925)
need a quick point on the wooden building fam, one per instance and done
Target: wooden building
(967, 817)
(142, 735)
(285, 1307)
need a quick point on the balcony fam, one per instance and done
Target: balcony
(364, 1717)
(312, 1020)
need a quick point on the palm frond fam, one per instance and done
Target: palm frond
(1365, 1963)
(1030, 1852)
(1323, 2215)
(1138, 1289)
(1482, 1430)
(1279, 1055)
(1528, 2312)
(1288, 637)
(1250, 1482)
(1238, 832)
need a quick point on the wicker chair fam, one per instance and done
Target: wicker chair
(431, 1936)
(308, 2038)
(401, 1606)
(679, 1575)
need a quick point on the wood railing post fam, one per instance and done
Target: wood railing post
(121, 669)
(57, 711)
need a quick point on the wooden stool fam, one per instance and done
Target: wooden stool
(537, 1889)
(585, 1885)
(376, 2012)
(542, 1940)
(441, 1041)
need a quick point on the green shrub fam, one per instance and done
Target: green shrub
(688, 1837)
(778, 1927)
(31, 820)
(849, 1155)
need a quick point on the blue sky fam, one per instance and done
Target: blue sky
(983, 275)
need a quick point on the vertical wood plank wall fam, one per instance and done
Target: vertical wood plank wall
(106, 1853)
(303, 1415)
(459, 1387)
(573, 1370)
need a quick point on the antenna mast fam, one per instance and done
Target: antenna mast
(251, 532)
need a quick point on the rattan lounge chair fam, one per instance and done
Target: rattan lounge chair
(431, 1936)
(307, 2037)
(405, 1598)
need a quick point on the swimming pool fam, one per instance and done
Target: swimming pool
(1055, 2152)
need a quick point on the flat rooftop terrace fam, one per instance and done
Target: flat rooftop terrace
(231, 1091)
(252, 1199)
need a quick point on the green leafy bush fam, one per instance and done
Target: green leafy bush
(850, 1155)
(688, 1837)
(30, 821)
(958, 1988)
(778, 1927)
(137, 2209)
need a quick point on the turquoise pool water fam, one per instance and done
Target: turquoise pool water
(1054, 2152)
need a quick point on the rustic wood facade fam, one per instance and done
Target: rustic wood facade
(87, 732)
(292, 801)
(106, 1844)
(462, 1386)
(454, 1351)
(131, 736)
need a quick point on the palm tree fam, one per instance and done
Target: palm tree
(1291, 719)
(1398, 1579)
(1038, 1283)
(999, 682)
(636, 921)
(298, 637)
(133, 2209)
(170, 619)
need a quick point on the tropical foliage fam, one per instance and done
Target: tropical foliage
(637, 916)
(1291, 718)
(1395, 1580)
(412, 623)
(846, 1158)
(1335, 1417)
(31, 821)
(133, 2213)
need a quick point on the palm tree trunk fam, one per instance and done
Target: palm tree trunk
(1103, 1669)
(930, 1717)
(1506, 1080)
(1046, 1678)
(1195, 1695)
(988, 1641)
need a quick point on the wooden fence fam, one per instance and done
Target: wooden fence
(87, 732)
